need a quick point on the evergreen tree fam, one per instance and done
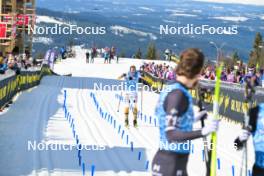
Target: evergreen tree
(151, 52)
(122, 54)
(252, 59)
(233, 60)
(71, 43)
(228, 62)
(138, 54)
(256, 56)
(235, 57)
(261, 58)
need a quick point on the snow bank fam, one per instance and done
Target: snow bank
(117, 30)
(44, 40)
(183, 14)
(231, 18)
(47, 19)
(249, 2)
(147, 9)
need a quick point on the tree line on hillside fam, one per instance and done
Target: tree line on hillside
(256, 57)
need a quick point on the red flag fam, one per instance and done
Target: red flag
(22, 20)
(3, 28)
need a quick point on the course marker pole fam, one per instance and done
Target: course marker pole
(131, 146)
(93, 170)
(147, 164)
(80, 160)
(233, 170)
(123, 132)
(83, 168)
(218, 163)
(139, 155)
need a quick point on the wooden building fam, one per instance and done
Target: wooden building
(16, 19)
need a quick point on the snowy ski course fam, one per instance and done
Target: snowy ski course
(45, 114)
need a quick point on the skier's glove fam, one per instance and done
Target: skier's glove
(244, 135)
(200, 115)
(122, 76)
(242, 139)
(211, 127)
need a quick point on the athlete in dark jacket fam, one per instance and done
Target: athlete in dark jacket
(176, 118)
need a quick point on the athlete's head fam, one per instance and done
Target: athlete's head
(190, 65)
(132, 69)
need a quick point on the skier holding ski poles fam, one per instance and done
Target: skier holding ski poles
(256, 124)
(131, 96)
(176, 117)
(253, 125)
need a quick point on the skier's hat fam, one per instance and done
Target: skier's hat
(133, 66)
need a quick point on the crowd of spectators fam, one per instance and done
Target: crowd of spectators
(162, 71)
(15, 62)
(238, 74)
(107, 53)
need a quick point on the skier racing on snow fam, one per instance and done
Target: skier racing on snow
(131, 96)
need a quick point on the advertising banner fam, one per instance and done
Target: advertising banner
(232, 104)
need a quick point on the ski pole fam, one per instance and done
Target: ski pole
(141, 101)
(216, 107)
(119, 102)
(249, 92)
(200, 99)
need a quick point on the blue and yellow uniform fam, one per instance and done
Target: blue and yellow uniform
(258, 139)
(131, 88)
(183, 123)
(172, 156)
(256, 124)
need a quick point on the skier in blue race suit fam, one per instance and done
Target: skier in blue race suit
(131, 97)
(176, 118)
(256, 129)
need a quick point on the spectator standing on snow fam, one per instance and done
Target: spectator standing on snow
(112, 54)
(106, 55)
(63, 53)
(93, 55)
(87, 56)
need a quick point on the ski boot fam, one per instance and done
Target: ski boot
(126, 123)
(135, 112)
(126, 117)
(135, 123)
